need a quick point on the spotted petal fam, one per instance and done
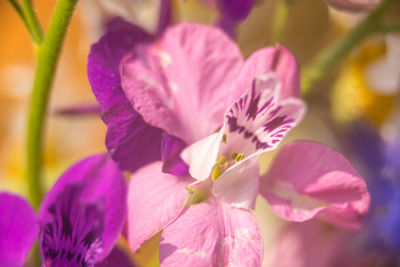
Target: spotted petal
(310, 180)
(353, 5)
(83, 214)
(18, 229)
(255, 123)
(212, 234)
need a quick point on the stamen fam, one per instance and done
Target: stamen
(224, 139)
(216, 172)
(221, 160)
(190, 190)
(234, 155)
(239, 157)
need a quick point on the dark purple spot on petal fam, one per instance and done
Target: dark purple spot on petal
(247, 134)
(275, 123)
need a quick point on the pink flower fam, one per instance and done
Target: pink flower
(194, 85)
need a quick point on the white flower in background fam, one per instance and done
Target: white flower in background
(383, 75)
(143, 13)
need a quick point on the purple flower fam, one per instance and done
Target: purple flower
(80, 218)
(131, 142)
(233, 12)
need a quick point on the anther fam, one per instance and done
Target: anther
(239, 157)
(216, 172)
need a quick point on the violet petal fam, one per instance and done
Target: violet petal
(171, 150)
(131, 142)
(165, 18)
(117, 257)
(235, 10)
(18, 229)
(83, 214)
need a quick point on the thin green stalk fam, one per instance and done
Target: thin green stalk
(17, 8)
(32, 22)
(330, 57)
(48, 55)
(279, 22)
(393, 26)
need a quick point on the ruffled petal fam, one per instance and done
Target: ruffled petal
(18, 229)
(154, 200)
(83, 214)
(212, 234)
(180, 83)
(308, 179)
(131, 142)
(276, 59)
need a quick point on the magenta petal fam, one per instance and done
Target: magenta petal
(181, 82)
(278, 59)
(18, 229)
(131, 142)
(117, 258)
(212, 234)
(308, 179)
(171, 150)
(154, 200)
(83, 214)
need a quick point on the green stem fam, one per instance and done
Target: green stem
(48, 55)
(330, 57)
(32, 22)
(279, 22)
(393, 26)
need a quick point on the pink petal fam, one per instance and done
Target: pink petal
(308, 179)
(277, 59)
(202, 155)
(212, 234)
(239, 185)
(258, 120)
(154, 200)
(310, 243)
(181, 82)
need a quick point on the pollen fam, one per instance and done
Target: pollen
(190, 190)
(221, 160)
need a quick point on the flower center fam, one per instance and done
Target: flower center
(223, 164)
